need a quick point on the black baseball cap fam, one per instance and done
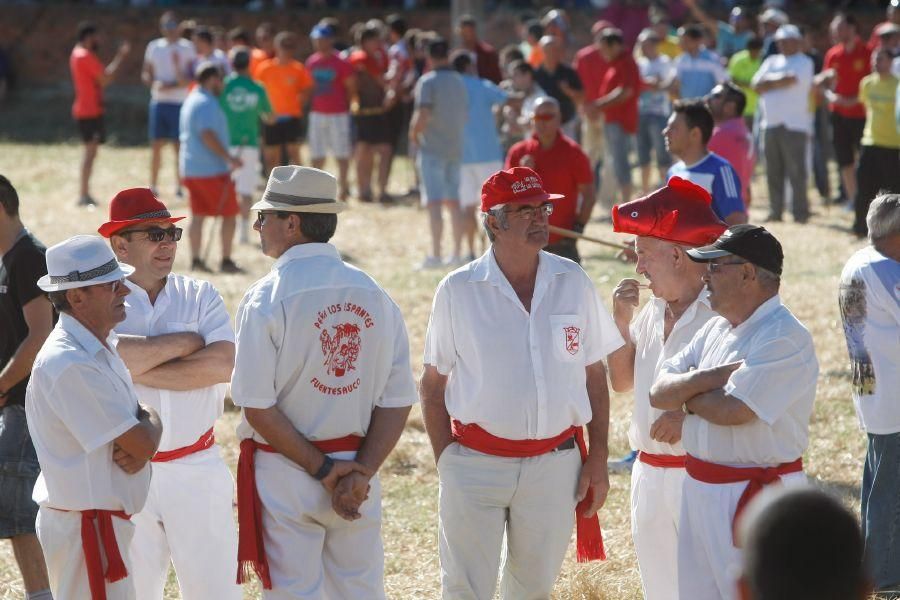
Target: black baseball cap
(751, 242)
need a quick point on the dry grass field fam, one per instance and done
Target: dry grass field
(387, 242)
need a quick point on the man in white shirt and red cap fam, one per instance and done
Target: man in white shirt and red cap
(747, 380)
(93, 438)
(513, 373)
(667, 223)
(323, 376)
(178, 344)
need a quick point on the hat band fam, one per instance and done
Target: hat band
(86, 275)
(295, 200)
(159, 214)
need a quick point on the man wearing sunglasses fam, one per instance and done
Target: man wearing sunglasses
(178, 344)
(92, 436)
(524, 335)
(747, 380)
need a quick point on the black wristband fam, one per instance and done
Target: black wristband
(324, 470)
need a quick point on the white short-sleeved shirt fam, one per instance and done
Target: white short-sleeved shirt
(651, 350)
(79, 400)
(518, 374)
(323, 342)
(787, 106)
(777, 381)
(184, 304)
(162, 55)
(870, 310)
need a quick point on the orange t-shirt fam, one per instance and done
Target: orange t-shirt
(536, 57)
(284, 83)
(257, 57)
(86, 70)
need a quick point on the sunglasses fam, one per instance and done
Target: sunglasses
(262, 216)
(157, 234)
(112, 286)
(714, 267)
(544, 117)
(530, 212)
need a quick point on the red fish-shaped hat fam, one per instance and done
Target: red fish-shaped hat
(679, 212)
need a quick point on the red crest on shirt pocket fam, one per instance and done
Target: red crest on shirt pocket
(573, 339)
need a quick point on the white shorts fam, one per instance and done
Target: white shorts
(246, 178)
(471, 177)
(329, 134)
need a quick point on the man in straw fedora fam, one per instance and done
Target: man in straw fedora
(93, 438)
(513, 373)
(667, 223)
(178, 344)
(323, 377)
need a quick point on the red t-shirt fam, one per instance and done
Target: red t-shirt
(562, 167)
(622, 72)
(591, 67)
(86, 70)
(373, 64)
(330, 73)
(850, 68)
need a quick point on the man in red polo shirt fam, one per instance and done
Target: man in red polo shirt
(591, 67)
(846, 63)
(89, 77)
(564, 169)
(618, 99)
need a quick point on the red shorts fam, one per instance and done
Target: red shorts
(212, 196)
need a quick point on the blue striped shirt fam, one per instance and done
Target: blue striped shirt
(716, 175)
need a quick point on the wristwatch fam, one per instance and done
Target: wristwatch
(324, 470)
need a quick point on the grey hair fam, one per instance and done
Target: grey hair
(767, 278)
(883, 219)
(502, 221)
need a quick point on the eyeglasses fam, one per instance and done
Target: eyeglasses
(544, 117)
(262, 216)
(157, 234)
(714, 267)
(113, 286)
(530, 212)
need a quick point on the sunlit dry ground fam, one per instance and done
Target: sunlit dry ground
(387, 242)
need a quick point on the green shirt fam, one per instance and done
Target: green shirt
(244, 102)
(742, 67)
(879, 95)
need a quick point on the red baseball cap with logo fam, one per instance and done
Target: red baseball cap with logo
(680, 212)
(518, 184)
(132, 206)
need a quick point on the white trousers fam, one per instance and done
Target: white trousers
(709, 564)
(313, 553)
(60, 536)
(188, 519)
(531, 500)
(655, 513)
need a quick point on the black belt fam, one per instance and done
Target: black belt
(569, 444)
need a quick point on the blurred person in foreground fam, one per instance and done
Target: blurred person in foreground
(801, 545)
(205, 163)
(27, 319)
(246, 104)
(667, 223)
(564, 169)
(513, 374)
(94, 440)
(323, 378)
(178, 345)
(870, 312)
(747, 380)
(89, 78)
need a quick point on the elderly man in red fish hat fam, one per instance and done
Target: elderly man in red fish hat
(667, 222)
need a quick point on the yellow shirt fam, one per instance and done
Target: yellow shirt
(879, 94)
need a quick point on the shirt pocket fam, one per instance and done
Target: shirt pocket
(567, 337)
(182, 326)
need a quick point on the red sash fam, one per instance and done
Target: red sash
(206, 441)
(662, 461)
(756, 477)
(115, 566)
(588, 535)
(251, 548)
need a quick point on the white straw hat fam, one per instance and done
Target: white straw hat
(300, 189)
(81, 261)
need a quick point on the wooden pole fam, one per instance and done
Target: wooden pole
(580, 236)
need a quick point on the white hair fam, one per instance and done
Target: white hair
(883, 219)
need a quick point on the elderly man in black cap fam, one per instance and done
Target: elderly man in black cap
(747, 380)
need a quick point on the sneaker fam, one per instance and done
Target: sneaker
(86, 200)
(386, 198)
(430, 262)
(179, 193)
(199, 265)
(468, 258)
(154, 191)
(624, 464)
(455, 261)
(229, 266)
